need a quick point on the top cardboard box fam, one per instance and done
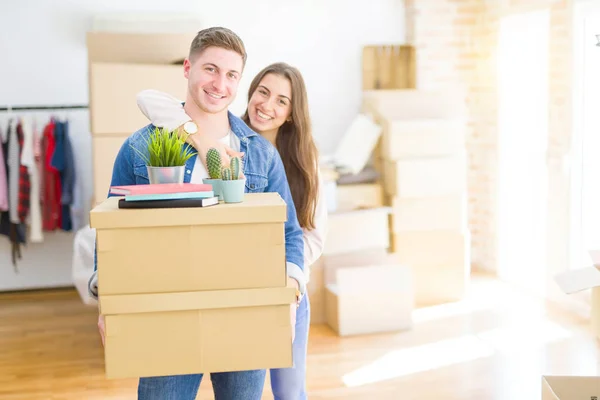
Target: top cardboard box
(226, 246)
(123, 64)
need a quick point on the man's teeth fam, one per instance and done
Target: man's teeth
(263, 116)
(215, 96)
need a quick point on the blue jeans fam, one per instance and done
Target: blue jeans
(247, 385)
(290, 383)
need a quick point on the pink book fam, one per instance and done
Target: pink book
(160, 188)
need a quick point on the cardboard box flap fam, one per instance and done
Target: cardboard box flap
(138, 48)
(570, 388)
(200, 300)
(578, 280)
(256, 208)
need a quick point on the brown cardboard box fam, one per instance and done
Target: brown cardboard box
(190, 290)
(104, 152)
(121, 65)
(570, 387)
(366, 292)
(369, 299)
(197, 332)
(583, 279)
(234, 246)
(426, 177)
(358, 196)
(440, 261)
(422, 137)
(359, 258)
(397, 104)
(113, 91)
(316, 292)
(356, 230)
(429, 213)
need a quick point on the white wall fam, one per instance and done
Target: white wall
(46, 63)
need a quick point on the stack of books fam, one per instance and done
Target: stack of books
(165, 195)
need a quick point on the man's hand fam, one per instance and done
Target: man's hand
(293, 308)
(101, 327)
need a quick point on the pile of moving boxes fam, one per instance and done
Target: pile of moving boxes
(169, 311)
(400, 240)
(120, 66)
(398, 236)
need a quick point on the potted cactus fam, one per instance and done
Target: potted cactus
(233, 182)
(214, 168)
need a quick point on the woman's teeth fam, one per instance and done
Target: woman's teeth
(262, 116)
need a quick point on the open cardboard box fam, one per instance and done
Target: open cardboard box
(367, 292)
(194, 290)
(570, 388)
(583, 279)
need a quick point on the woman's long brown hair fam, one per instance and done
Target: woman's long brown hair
(295, 144)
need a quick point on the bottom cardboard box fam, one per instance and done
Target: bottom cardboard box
(570, 388)
(197, 332)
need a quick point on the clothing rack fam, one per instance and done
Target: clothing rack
(39, 108)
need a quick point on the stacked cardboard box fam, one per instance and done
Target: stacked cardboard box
(194, 290)
(120, 65)
(367, 291)
(357, 287)
(423, 161)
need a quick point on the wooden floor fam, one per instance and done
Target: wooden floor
(494, 345)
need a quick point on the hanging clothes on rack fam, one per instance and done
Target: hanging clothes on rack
(51, 208)
(3, 176)
(24, 181)
(28, 162)
(9, 220)
(38, 185)
(62, 161)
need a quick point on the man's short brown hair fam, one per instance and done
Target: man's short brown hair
(217, 37)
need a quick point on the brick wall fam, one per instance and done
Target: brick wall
(456, 42)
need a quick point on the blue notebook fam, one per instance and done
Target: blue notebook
(170, 196)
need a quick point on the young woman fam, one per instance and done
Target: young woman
(278, 110)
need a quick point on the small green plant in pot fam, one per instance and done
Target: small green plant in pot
(233, 183)
(166, 157)
(214, 168)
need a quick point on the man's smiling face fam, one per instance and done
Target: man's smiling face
(213, 78)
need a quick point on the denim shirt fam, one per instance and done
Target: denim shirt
(264, 172)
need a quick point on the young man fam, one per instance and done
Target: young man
(213, 69)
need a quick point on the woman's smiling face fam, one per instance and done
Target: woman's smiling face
(271, 103)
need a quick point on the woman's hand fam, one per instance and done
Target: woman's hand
(101, 327)
(202, 143)
(293, 309)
